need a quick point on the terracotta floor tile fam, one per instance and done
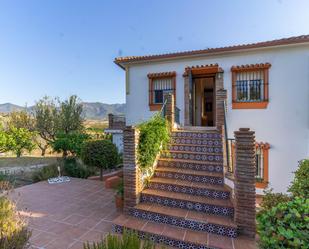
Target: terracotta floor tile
(152, 227)
(92, 236)
(60, 243)
(196, 237)
(43, 239)
(68, 210)
(174, 232)
(59, 228)
(135, 223)
(74, 219)
(88, 223)
(104, 226)
(77, 245)
(220, 241)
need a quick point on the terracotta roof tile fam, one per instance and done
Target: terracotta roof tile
(251, 66)
(161, 74)
(278, 42)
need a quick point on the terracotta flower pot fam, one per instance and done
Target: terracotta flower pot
(119, 202)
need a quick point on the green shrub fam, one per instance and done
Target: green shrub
(72, 167)
(45, 173)
(154, 136)
(271, 200)
(300, 184)
(13, 230)
(285, 225)
(102, 154)
(128, 240)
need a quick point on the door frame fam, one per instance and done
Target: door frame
(203, 71)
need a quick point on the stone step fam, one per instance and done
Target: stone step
(191, 164)
(209, 157)
(195, 148)
(175, 237)
(190, 175)
(183, 218)
(196, 141)
(188, 187)
(189, 202)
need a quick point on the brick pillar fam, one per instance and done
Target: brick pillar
(220, 98)
(170, 108)
(110, 120)
(245, 181)
(131, 172)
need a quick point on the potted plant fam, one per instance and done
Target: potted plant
(119, 195)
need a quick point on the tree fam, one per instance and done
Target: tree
(21, 139)
(5, 140)
(21, 119)
(101, 154)
(70, 116)
(46, 113)
(69, 142)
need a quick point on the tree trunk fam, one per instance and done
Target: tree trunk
(43, 150)
(65, 153)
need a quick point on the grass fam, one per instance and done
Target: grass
(25, 161)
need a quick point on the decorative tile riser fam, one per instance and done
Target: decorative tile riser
(197, 135)
(201, 149)
(194, 166)
(183, 223)
(196, 206)
(210, 193)
(206, 142)
(161, 239)
(188, 177)
(191, 156)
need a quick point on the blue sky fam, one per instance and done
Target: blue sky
(63, 47)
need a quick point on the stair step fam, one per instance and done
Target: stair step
(201, 141)
(193, 188)
(191, 164)
(192, 220)
(197, 134)
(209, 157)
(195, 148)
(173, 236)
(190, 175)
(187, 201)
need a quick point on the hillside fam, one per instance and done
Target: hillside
(92, 110)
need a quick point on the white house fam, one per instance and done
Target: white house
(267, 86)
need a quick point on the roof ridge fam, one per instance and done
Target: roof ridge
(270, 43)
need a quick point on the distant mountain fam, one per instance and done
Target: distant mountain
(92, 110)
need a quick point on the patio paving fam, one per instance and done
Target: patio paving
(64, 216)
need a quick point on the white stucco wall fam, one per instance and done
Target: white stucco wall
(285, 122)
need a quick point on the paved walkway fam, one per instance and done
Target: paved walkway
(63, 216)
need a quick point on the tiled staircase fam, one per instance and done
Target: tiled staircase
(186, 204)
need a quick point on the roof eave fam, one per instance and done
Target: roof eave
(122, 64)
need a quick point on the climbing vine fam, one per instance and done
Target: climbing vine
(154, 137)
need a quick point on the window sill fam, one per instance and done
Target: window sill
(155, 107)
(250, 105)
(262, 185)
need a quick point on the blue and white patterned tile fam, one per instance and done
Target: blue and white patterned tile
(189, 205)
